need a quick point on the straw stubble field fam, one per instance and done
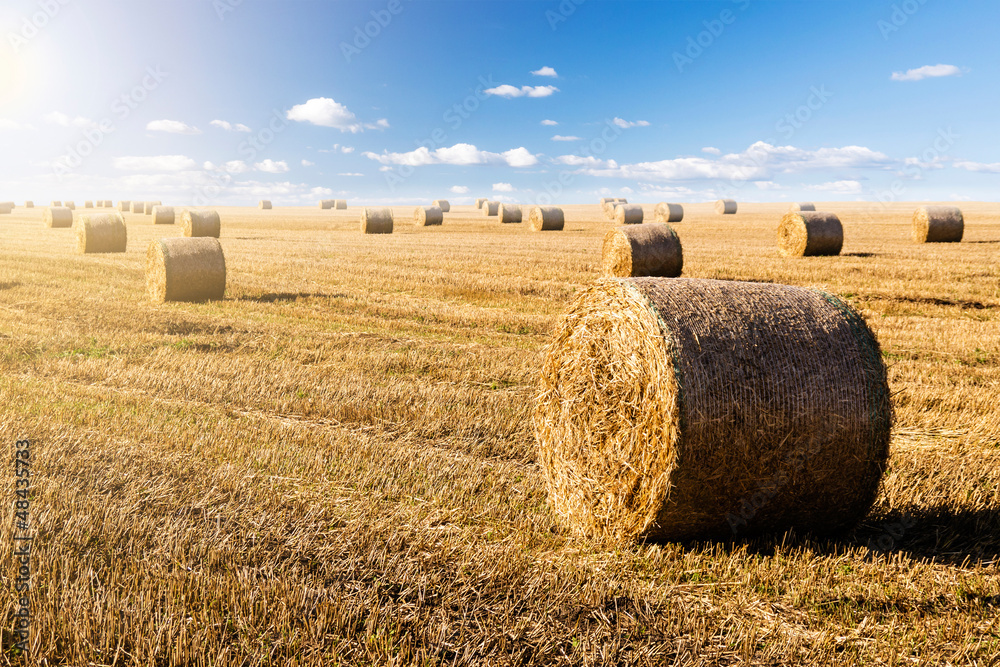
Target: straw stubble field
(335, 464)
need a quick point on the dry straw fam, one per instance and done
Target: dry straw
(6, 207)
(491, 208)
(56, 204)
(138, 207)
(340, 204)
(376, 221)
(101, 232)
(57, 216)
(443, 204)
(810, 234)
(163, 215)
(509, 213)
(264, 205)
(88, 204)
(70, 205)
(546, 218)
(425, 216)
(628, 214)
(29, 204)
(647, 250)
(480, 201)
(204, 222)
(802, 206)
(610, 206)
(669, 212)
(676, 409)
(326, 203)
(182, 269)
(938, 224)
(124, 206)
(725, 207)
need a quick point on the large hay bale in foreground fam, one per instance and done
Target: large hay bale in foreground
(376, 221)
(480, 201)
(665, 212)
(802, 206)
(101, 232)
(546, 218)
(678, 409)
(726, 207)
(185, 269)
(264, 204)
(57, 216)
(442, 204)
(509, 213)
(810, 234)
(646, 250)
(124, 206)
(628, 214)
(491, 208)
(425, 216)
(938, 224)
(340, 204)
(201, 222)
(163, 215)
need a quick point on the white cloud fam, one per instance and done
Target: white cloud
(155, 163)
(171, 126)
(545, 71)
(768, 185)
(560, 137)
(459, 154)
(588, 161)
(524, 91)
(229, 127)
(926, 72)
(711, 150)
(549, 122)
(58, 118)
(307, 163)
(272, 167)
(838, 187)
(625, 124)
(980, 167)
(350, 173)
(459, 189)
(385, 168)
(338, 148)
(236, 167)
(503, 187)
(520, 157)
(326, 112)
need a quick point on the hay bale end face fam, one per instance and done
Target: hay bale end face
(425, 216)
(442, 204)
(680, 409)
(58, 217)
(668, 212)
(491, 208)
(264, 205)
(376, 221)
(938, 224)
(508, 213)
(480, 201)
(810, 234)
(647, 250)
(204, 222)
(628, 214)
(802, 206)
(163, 215)
(546, 218)
(101, 232)
(726, 207)
(185, 269)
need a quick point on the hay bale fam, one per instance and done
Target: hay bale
(57, 216)
(610, 205)
(103, 232)
(70, 205)
(647, 250)
(491, 208)
(185, 269)
(138, 207)
(264, 205)
(56, 204)
(204, 222)
(665, 212)
(163, 215)
(546, 218)
(29, 204)
(810, 234)
(88, 204)
(480, 201)
(802, 206)
(6, 207)
(150, 205)
(509, 213)
(938, 224)
(376, 221)
(628, 214)
(124, 206)
(677, 409)
(340, 204)
(443, 205)
(605, 200)
(326, 203)
(424, 216)
(725, 207)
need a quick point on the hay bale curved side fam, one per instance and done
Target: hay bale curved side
(163, 215)
(264, 204)
(680, 409)
(628, 214)
(56, 204)
(480, 201)
(57, 217)
(326, 203)
(185, 269)
(491, 208)
(88, 204)
(509, 213)
(124, 206)
(70, 205)
(665, 212)
(726, 207)
(442, 204)
(138, 207)
(546, 218)
(6, 207)
(425, 216)
(29, 204)
(376, 221)
(101, 233)
(802, 206)
(340, 204)
(810, 234)
(201, 222)
(938, 224)
(647, 250)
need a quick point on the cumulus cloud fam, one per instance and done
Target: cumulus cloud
(524, 91)
(459, 189)
(549, 122)
(545, 71)
(926, 72)
(625, 124)
(711, 150)
(503, 187)
(307, 163)
(230, 127)
(326, 112)
(172, 127)
(59, 118)
(560, 137)
(271, 167)
(350, 173)
(337, 148)
(459, 154)
(155, 163)
(838, 187)
(980, 167)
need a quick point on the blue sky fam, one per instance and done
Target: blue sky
(230, 101)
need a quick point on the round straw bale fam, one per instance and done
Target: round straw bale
(57, 216)
(101, 232)
(509, 213)
(938, 224)
(605, 200)
(647, 250)
(480, 201)
(70, 205)
(443, 204)
(376, 221)
(183, 269)
(678, 409)
(56, 204)
(163, 215)
(428, 215)
(491, 208)
(326, 203)
(802, 206)
(264, 205)
(6, 207)
(725, 206)
(669, 212)
(88, 204)
(628, 214)
(546, 218)
(810, 234)
(340, 204)
(124, 206)
(29, 204)
(138, 207)
(204, 222)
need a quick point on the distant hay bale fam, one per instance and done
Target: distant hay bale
(264, 205)
(668, 212)
(725, 207)
(101, 232)
(326, 203)
(376, 221)
(425, 216)
(938, 224)
(802, 206)
(6, 207)
(201, 222)
(108, 203)
(810, 234)
(546, 218)
(163, 215)
(88, 204)
(610, 206)
(340, 204)
(70, 205)
(56, 204)
(150, 205)
(481, 201)
(124, 206)
(491, 208)
(678, 409)
(605, 200)
(628, 214)
(29, 204)
(185, 269)
(646, 250)
(443, 205)
(509, 213)
(138, 207)
(57, 216)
